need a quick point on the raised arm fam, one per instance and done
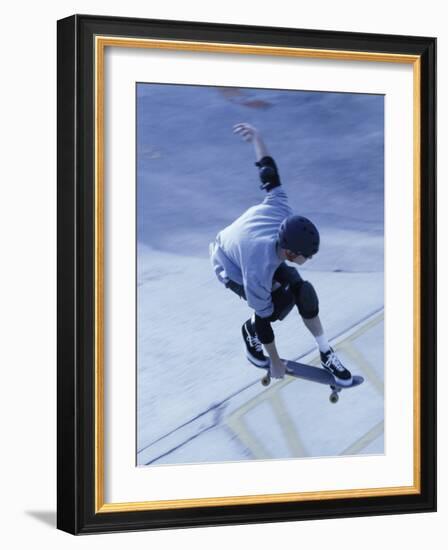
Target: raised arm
(252, 135)
(267, 168)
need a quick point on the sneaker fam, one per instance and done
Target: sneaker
(332, 364)
(254, 348)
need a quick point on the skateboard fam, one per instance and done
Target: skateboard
(314, 374)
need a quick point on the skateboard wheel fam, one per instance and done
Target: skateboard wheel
(334, 397)
(266, 380)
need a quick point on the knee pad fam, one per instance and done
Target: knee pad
(307, 300)
(283, 301)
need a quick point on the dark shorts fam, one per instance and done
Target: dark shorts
(282, 296)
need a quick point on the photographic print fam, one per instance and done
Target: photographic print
(260, 274)
(246, 274)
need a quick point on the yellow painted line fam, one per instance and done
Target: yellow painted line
(364, 366)
(273, 397)
(367, 325)
(288, 427)
(365, 440)
(249, 440)
(275, 386)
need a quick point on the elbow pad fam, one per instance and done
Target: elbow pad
(268, 173)
(264, 330)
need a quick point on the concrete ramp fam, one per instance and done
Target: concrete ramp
(291, 418)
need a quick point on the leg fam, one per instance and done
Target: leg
(308, 305)
(254, 349)
(314, 326)
(304, 296)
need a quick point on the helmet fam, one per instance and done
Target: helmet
(299, 235)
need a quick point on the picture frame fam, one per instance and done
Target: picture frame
(82, 301)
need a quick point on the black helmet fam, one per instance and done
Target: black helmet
(299, 235)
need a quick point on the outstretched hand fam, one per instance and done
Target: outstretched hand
(246, 131)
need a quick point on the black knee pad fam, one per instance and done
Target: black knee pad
(283, 301)
(306, 300)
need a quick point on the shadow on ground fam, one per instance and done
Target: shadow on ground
(44, 516)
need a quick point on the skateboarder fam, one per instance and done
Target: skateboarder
(249, 257)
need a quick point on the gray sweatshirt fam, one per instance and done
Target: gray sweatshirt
(246, 250)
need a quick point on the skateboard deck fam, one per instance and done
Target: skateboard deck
(314, 374)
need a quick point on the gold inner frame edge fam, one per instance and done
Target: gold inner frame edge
(101, 42)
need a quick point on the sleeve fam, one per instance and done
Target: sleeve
(258, 297)
(217, 266)
(268, 173)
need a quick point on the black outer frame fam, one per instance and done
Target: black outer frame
(75, 295)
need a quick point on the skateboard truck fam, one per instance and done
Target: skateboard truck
(334, 395)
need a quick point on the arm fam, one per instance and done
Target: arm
(278, 367)
(250, 133)
(264, 314)
(267, 168)
(266, 336)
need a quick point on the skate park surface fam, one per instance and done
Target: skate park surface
(198, 398)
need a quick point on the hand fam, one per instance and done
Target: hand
(246, 131)
(278, 368)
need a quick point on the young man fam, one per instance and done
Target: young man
(249, 257)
